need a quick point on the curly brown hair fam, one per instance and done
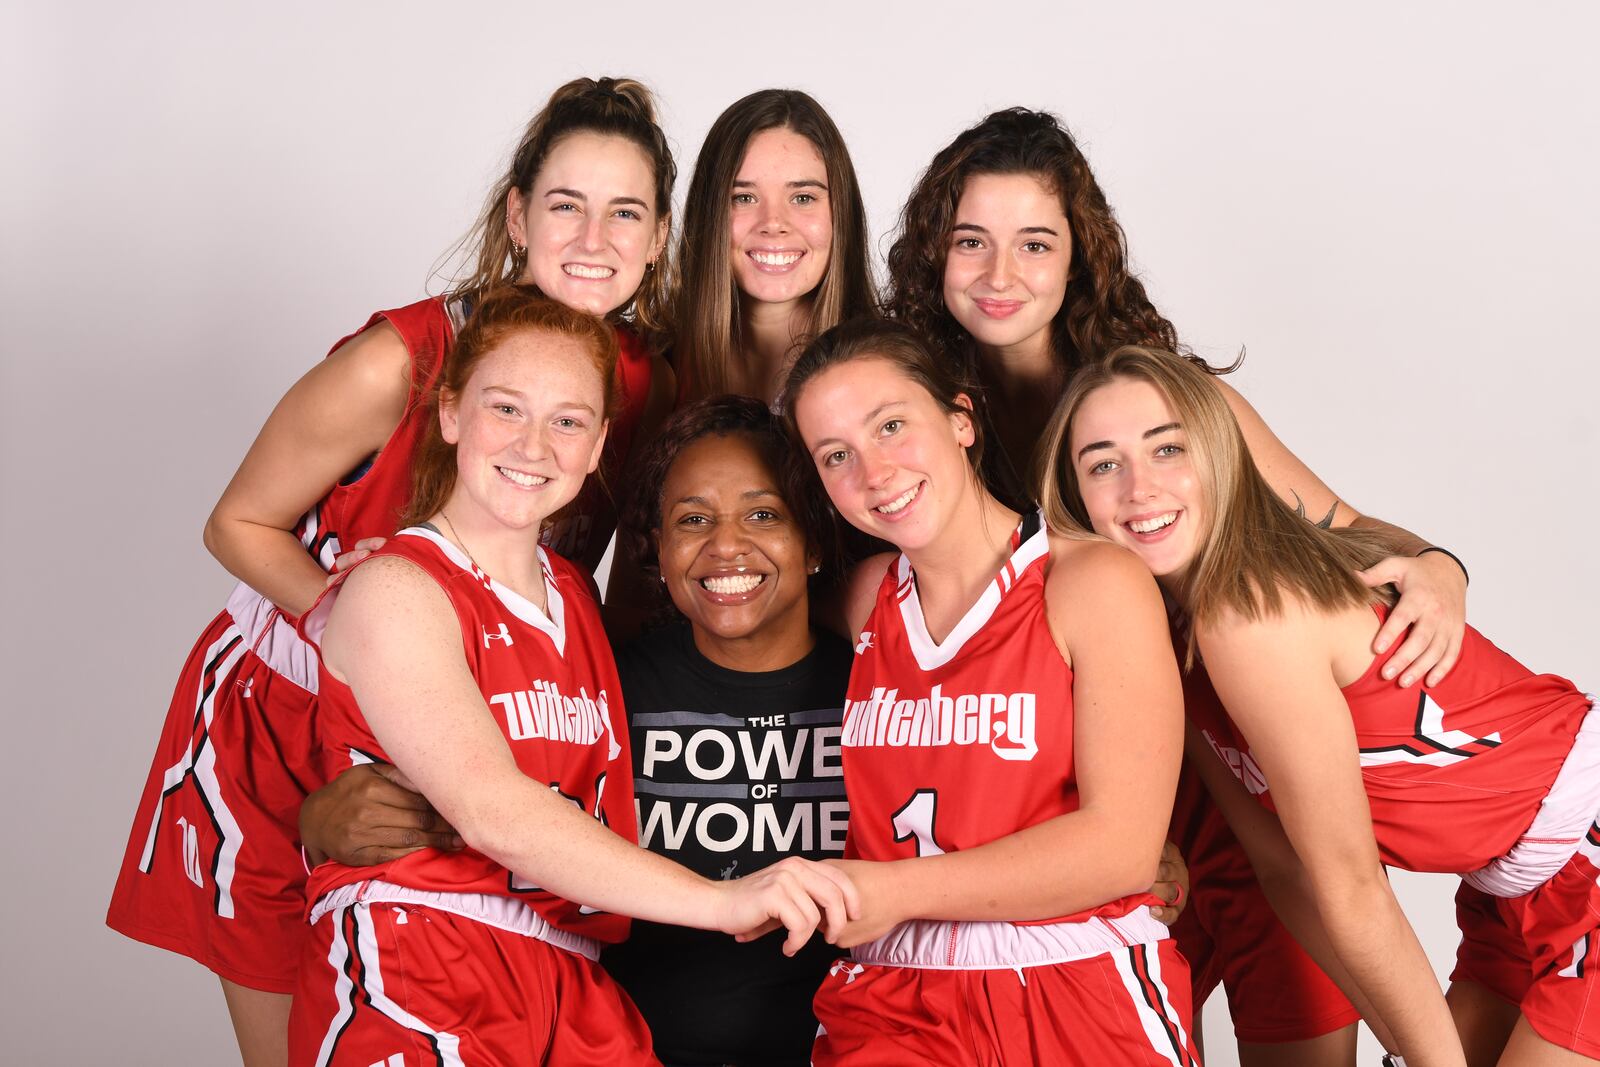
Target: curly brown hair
(1105, 305)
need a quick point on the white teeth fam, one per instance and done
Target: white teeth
(1160, 522)
(578, 270)
(528, 480)
(775, 259)
(733, 584)
(898, 502)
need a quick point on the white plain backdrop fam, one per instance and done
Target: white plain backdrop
(1392, 206)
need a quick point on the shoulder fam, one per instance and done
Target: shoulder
(1094, 569)
(652, 651)
(375, 359)
(861, 589)
(1296, 632)
(387, 603)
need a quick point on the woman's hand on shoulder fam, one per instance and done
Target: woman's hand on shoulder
(1432, 604)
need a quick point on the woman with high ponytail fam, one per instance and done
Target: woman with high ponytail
(213, 868)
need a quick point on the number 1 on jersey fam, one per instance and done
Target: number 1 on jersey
(915, 819)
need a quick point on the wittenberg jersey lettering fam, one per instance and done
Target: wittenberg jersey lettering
(552, 688)
(952, 745)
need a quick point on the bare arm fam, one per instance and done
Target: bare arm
(1433, 589)
(395, 639)
(338, 414)
(1107, 616)
(1276, 679)
(1282, 877)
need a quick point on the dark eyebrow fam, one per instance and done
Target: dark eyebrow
(871, 416)
(974, 227)
(566, 192)
(629, 200)
(807, 183)
(1039, 229)
(1154, 432)
(748, 494)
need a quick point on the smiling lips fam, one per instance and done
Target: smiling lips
(1152, 527)
(587, 271)
(998, 309)
(526, 481)
(891, 508)
(732, 584)
(775, 260)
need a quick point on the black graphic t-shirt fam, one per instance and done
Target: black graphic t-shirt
(732, 772)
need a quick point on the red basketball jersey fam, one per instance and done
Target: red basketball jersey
(550, 684)
(948, 745)
(1454, 773)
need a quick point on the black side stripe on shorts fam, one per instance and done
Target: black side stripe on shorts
(1138, 959)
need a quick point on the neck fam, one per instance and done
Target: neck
(510, 556)
(971, 548)
(769, 337)
(1025, 365)
(773, 647)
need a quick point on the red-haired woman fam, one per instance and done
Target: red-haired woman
(1011, 260)
(212, 869)
(473, 660)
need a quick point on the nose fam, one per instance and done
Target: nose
(774, 217)
(592, 237)
(1141, 483)
(1000, 271)
(535, 442)
(728, 541)
(876, 470)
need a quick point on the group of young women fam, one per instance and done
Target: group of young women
(965, 791)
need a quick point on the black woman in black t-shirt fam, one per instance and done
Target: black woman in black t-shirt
(734, 708)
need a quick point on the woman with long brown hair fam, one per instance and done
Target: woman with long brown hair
(1010, 258)
(774, 246)
(212, 868)
(1336, 770)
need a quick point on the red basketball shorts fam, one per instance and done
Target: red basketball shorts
(1541, 950)
(1229, 934)
(401, 983)
(213, 868)
(1124, 1005)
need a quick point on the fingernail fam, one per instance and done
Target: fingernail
(1407, 680)
(1388, 672)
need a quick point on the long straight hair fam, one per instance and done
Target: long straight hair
(618, 107)
(708, 306)
(1253, 550)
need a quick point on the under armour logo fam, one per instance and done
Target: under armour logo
(865, 642)
(503, 635)
(850, 970)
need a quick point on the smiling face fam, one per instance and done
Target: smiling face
(892, 459)
(733, 557)
(528, 427)
(1006, 269)
(1133, 467)
(780, 220)
(589, 222)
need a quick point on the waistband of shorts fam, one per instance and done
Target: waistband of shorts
(975, 946)
(1558, 828)
(271, 636)
(503, 913)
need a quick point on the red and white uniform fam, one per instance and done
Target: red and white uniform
(442, 951)
(952, 745)
(1493, 774)
(212, 867)
(1229, 933)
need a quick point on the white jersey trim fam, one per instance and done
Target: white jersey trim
(931, 654)
(552, 625)
(503, 913)
(271, 637)
(981, 946)
(1560, 825)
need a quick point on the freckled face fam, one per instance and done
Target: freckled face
(527, 427)
(1006, 269)
(892, 459)
(780, 218)
(1133, 467)
(733, 557)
